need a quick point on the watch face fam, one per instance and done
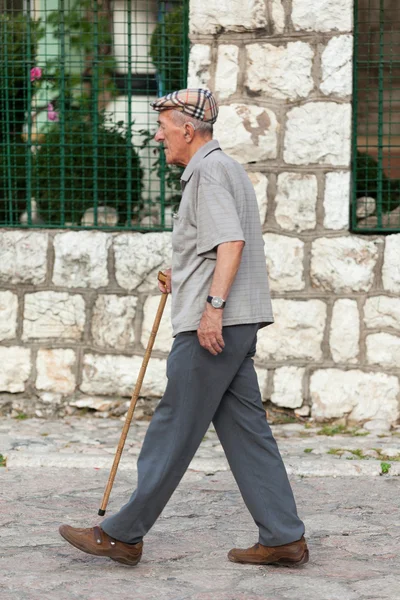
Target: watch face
(217, 302)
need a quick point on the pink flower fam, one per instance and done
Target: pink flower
(52, 115)
(36, 73)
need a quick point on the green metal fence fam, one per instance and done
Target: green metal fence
(76, 128)
(376, 131)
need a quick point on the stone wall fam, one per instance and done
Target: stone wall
(283, 72)
(76, 308)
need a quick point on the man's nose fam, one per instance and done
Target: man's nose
(159, 136)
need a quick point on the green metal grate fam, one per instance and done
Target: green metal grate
(76, 128)
(376, 131)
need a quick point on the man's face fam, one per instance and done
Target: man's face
(172, 138)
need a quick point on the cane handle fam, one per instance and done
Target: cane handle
(162, 277)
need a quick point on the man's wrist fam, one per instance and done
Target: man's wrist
(213, 312)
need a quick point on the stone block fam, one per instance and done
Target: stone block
(215, 16)
(337, 200)
(337, 67)
(343, 264)
(23, 257)
(139, 257)
(112, 321)
(199, 66)
(296, 201)
(97, 403)
(55, 370)
(357, 395)
(262, 378)
(345, 331)
(303, 411)
(391, 264)
(51, 398)
(328, 15)
(81, 259)
(53, 315)
(164, 339)
(297, 332)
(227, 71)
(318, 133)
(382, 311)
(110, 375)
(288, 387)
(282, 72)
(8, 315)
(260, 184)
(383, 349)
(248, 133)
(284, 257)
(15, 368)
(278, 16)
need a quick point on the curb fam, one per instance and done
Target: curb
(320, 467)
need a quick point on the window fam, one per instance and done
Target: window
(376, 141)
(76, 81)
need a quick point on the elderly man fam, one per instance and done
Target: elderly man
(220, 298)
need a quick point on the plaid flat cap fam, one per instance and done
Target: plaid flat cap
(197, 103)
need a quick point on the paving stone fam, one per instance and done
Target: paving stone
(353, 542)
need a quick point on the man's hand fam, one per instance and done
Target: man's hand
(165, 289)
(210, 330)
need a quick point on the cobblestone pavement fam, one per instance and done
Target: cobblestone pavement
(56, 472)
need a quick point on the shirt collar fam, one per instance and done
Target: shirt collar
(196, 158)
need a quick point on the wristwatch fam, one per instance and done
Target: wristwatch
(216, 301)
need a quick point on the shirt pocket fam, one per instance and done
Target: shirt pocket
(179, 227)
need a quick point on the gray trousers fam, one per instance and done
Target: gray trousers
(223, 389)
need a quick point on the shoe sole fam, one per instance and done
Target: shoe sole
(283, 562)
(125, 561)
(119, 559)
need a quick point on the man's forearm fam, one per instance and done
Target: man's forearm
(229, 256)
(209, 332)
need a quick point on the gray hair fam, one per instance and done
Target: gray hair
(205, 129)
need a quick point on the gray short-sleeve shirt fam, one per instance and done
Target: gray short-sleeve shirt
(218, 205)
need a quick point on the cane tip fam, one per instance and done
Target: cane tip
(101, 512)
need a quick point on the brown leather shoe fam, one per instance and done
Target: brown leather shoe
(289, 555)
(96, 541)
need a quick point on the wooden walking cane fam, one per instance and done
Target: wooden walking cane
(102, 510)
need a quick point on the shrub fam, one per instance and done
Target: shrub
(65, 180)
(12, 180)
(14, 69)
(166, 49)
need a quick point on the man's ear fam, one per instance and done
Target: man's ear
(189, 132)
